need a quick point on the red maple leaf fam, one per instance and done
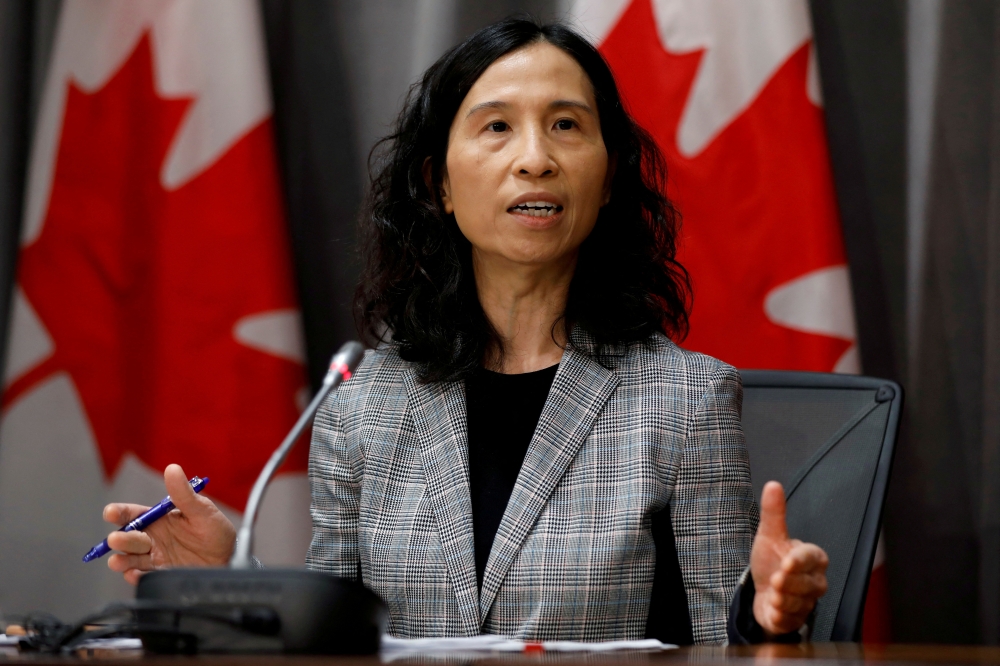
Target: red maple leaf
(758, 202)
(140, 288)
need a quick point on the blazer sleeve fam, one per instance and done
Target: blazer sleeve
(335, 471)
(713, 511)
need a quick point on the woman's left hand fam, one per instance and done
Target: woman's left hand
(788, 575)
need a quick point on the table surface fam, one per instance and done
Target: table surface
(826, 653)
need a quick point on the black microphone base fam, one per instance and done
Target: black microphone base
(257, 611)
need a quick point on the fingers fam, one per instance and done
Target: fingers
(778, 612)
(794, 606)
(134, 543)
(794, 591)
(772, 512)
(787, 596)
(132, 576)
(180, 490)
(789, 599)
(119, 514)
(811, 585)
(790, 575)
(777, 621)
(122, 562)
(800, 578)
(804, 558)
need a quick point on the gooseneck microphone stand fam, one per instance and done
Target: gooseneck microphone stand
(245, 609)
(343, 364)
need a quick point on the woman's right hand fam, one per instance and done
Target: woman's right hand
(195, 534)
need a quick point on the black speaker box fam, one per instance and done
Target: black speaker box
(257, 611)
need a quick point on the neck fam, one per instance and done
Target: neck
(524, 304)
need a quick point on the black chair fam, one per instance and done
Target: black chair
(829, 440)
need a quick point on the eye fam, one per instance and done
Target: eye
(498, 126)
(565, 124)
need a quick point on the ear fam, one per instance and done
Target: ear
(444, 191)
(609, 177)
(449, 207)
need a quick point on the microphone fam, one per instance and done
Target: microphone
(242, 609)
(343, 364)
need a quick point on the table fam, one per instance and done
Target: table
(819, 654)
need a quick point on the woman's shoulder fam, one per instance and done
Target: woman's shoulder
(658, 352)
(658, 359)
(383, 361)
(379, 373)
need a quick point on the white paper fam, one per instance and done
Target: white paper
(110, 644)
(92, 644)
(399, 647)
(606, 646)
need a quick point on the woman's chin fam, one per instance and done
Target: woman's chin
(529, 253)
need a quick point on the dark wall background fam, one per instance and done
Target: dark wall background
(861, 48)
(926, 282)
(26, 32)
(949, 477)
(912, 95)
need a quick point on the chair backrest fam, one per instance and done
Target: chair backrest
(829, 440)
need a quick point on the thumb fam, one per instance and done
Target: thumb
(180, 490)
(772, 512)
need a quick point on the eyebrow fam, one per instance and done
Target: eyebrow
(557, 104)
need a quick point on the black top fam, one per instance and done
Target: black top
(503, 411)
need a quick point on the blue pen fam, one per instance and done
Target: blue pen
(145, 520)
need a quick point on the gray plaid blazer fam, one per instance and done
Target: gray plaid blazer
(620, 437)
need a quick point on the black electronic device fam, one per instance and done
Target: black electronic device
(244, 609)
(257, 611)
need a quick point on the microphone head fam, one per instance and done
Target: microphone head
(347, 359)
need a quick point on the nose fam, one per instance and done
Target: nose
(534, 158)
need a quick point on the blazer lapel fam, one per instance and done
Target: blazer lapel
(439, 414)
(579, 392)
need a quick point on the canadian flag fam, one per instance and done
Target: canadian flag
(155, 318)
(730, 91)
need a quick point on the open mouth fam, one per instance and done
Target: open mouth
(536, 209)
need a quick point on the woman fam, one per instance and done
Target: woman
(504, 460)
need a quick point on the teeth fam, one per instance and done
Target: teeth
(537, 208)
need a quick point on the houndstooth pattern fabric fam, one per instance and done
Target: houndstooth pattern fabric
(620, 437)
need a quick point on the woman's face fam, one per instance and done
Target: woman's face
(526, 169)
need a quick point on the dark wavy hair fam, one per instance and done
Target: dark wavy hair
(417, 286)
